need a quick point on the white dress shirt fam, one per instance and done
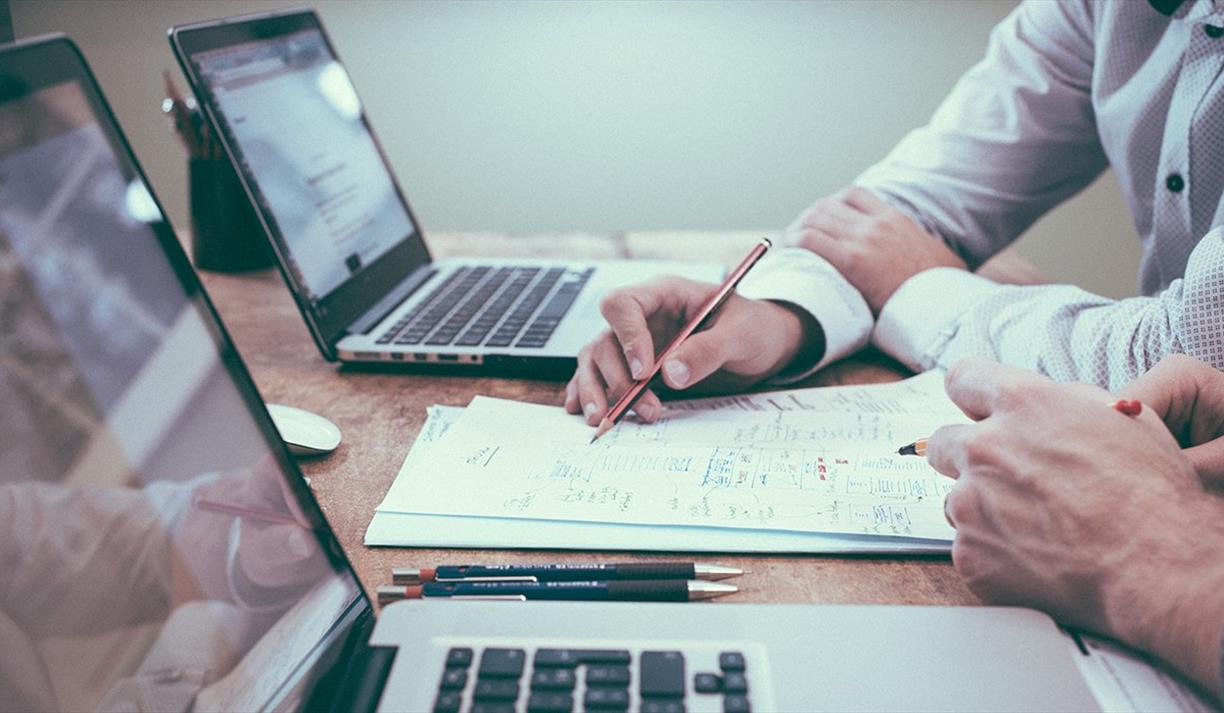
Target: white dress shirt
(1066, 89)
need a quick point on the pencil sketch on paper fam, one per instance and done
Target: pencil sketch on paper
(826, 469)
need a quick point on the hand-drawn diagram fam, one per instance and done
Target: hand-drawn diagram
(802, 470)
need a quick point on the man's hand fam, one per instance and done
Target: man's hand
(1188, 395)
(873, 245)
(1098, 518)
(748, 340)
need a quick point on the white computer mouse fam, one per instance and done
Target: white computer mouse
(306, 433)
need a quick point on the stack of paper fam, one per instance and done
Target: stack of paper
(804, 470)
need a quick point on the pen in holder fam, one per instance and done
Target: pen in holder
(226, 233)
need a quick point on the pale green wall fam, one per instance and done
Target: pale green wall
(599, 116)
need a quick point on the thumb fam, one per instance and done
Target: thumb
(699, 356)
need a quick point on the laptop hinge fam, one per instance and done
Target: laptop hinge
(393, 299)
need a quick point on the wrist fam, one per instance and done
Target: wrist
(1170, 601)
(803, 342)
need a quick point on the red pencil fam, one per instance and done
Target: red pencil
(239, 511)
(707, 310)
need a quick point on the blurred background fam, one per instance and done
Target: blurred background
(564, 116)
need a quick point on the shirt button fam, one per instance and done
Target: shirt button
(1215, 32)
(1175, 183)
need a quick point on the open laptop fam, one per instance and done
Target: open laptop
(162, 551)
(348, 245)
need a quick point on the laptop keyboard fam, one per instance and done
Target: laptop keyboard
(506, 680)
(492, 307)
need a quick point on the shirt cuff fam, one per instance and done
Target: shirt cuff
(802, 278)
(923, 314)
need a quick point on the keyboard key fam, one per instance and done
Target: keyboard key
(707, 683)
(606, 698)
(502, 663)
(495, 689)
(663, 705)
(662, 674)
(453, 678)
(735, 682)
(459, 657)
(549, 702)
(607, 676)
(448, 702)
(553, 658)
(492, 707)
(731, 661)
(553, 679)
(736, 704)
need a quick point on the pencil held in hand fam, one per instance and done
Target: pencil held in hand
(711, 305)
(1126, 407)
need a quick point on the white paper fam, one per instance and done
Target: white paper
(1126, 681)
(830, 467)
(395, 529)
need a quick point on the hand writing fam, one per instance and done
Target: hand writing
(747, 341)
(1063, 504)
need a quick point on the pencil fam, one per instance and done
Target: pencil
(708, 308)
(1126, 407)
(239, 511)
(917, 448)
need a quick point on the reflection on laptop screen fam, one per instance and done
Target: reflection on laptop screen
(296, 124)
(123, 587)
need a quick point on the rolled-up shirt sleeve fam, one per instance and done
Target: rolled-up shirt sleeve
(1016, 136)
(801, 278)
(940, 316)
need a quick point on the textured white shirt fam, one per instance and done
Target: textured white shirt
(1066, 89)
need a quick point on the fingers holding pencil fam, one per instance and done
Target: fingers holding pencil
(677, 373)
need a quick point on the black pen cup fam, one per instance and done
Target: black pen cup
(226, 234)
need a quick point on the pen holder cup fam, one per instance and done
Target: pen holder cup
(226, 234)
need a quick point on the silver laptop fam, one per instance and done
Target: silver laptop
(163, 553)
(348, 245)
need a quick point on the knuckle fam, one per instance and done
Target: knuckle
(968, 562)
(961, 505)
(613, 302)
(809, 239)
(876, 225)
(1015, 395)
(981, 448)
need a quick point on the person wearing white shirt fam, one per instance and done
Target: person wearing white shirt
(1066, 90)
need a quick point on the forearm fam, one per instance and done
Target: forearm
(1171, 603)
(1015, 137)
(941, 316)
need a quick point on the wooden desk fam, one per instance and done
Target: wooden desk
(381, 413)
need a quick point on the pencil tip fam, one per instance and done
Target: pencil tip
(593, 439)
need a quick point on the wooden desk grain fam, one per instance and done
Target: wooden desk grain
(381, 413)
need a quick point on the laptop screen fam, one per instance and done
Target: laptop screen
(296, 118)
(296, 128)
(160, 551)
